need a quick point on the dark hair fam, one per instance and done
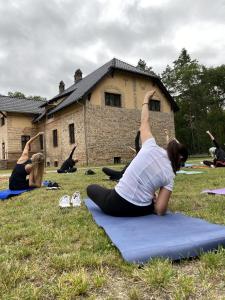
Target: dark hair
(177, 154)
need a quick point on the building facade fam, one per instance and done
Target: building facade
(100, 113)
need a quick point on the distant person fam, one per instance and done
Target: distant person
(151, 170)
(68, 165)
(217, 153)
(116, 175)
(25, 167)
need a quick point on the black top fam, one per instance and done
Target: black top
(219, 153)
(18, 179)
(67, 164)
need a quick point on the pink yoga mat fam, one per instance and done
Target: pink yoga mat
(215, 192)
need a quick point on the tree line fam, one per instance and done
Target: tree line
(199, 92)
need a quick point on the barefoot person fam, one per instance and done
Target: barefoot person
(152, 169)
(33, 167)
(217, 153)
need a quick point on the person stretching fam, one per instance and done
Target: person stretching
(33, 167)
(152, 169)
(217, 153)
(69, 163)
(116, 175)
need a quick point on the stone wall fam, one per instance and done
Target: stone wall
(60, 121)
(18, 125)
(111, 130)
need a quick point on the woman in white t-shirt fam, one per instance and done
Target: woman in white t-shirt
(152, 169)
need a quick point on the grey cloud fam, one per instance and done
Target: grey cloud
(43, 42)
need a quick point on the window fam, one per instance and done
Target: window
(71, 133)
(117, 160)
(55, 138)
(24, 140)
(3, 150)
(113, 99)
(154, 105)
(56, 163)
(2, 121)
(48, 163)
(41, 140)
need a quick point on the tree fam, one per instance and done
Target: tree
(199, 93)
(18, 94)
(142, 65)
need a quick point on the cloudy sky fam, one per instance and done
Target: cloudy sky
(45, 41)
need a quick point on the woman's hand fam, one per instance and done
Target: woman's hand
(148, 96)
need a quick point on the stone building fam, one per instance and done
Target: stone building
(16, 127)
(101, 113)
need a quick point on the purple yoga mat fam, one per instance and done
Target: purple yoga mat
(215, 192)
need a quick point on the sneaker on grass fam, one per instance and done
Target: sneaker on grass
(64, 201)
(75, 199)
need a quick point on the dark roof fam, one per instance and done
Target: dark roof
(20, 105)
(84, 86)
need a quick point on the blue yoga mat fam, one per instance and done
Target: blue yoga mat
(172, 236)
(4, 194)
(189, 172)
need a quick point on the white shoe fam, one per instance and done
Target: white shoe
(64, 201)
(75, 199)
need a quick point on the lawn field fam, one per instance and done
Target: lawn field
(50, 253)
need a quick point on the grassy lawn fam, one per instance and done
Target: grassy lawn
(48, 253)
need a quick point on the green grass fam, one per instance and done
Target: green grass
(49, 253)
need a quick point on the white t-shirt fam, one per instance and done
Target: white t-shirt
(150, 170)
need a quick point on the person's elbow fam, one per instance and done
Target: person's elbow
(34, 185)
(160, 211)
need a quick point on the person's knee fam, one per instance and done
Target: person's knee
(89, 190)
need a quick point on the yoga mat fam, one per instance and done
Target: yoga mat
(215, 192)
(4, 194)
(189, 172)
(172, 236)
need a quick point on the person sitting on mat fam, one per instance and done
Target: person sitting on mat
(153, 168)
(217, 153)
(33, 167)
(116, 175)
(69, 163)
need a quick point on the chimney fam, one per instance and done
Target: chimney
(77, 75)
(61, 87)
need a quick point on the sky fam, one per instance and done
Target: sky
(44, 41)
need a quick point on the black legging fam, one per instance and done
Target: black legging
(113, 174)
(113, 204)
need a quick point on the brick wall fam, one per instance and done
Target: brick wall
(111, 130)
(60, 121)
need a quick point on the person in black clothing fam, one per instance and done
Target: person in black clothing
(33, 167)
(116, 175)
(217, 152)
(69, 163)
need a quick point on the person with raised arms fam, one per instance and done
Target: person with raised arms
(217, 153)
(153, 169)
(33, 167)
